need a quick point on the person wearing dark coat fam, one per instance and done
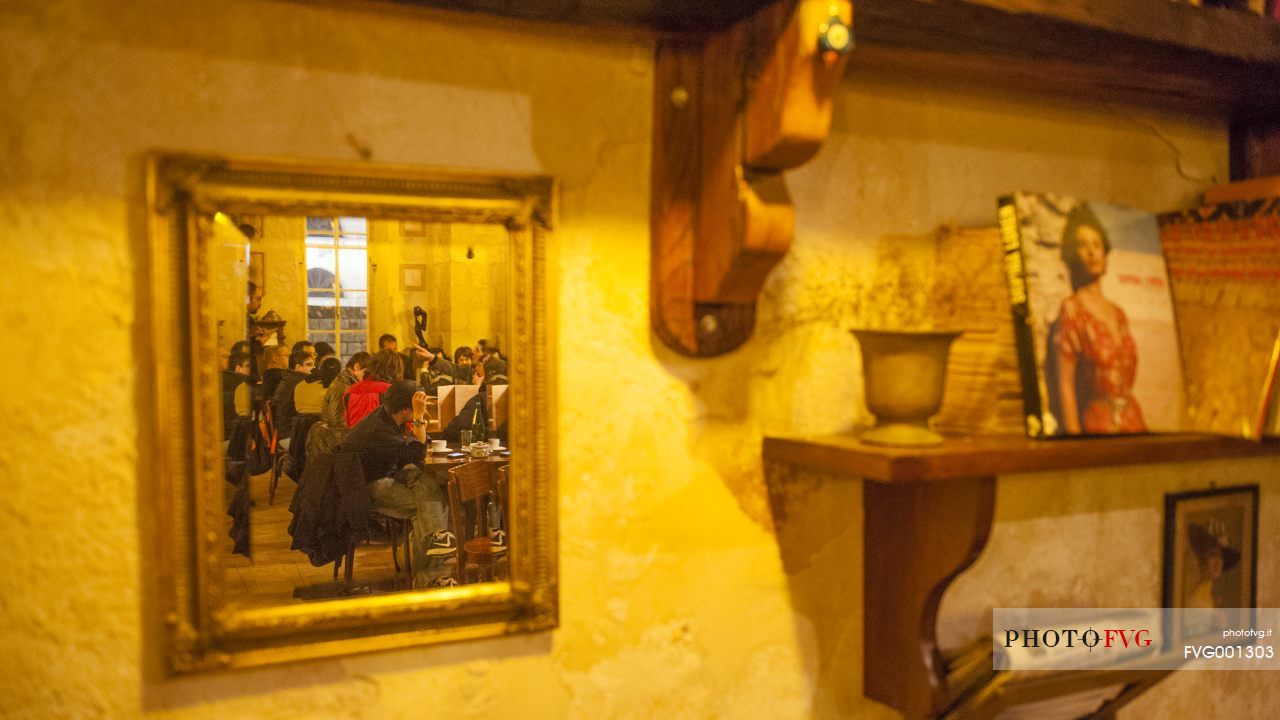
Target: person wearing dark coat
(283, 409)
(275, 361)
(236, 373)
(380, 437)
(389, 439)
(479, 404)
(330, 508)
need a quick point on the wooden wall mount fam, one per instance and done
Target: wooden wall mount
(910, 563)
(733, 110)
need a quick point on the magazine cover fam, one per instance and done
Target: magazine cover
(1097, 343)
(1224, 269)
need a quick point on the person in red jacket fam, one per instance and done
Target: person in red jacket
(365, 396)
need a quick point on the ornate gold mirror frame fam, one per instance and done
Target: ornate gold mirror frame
(205, 631)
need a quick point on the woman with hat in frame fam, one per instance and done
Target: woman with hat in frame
(1215, 558)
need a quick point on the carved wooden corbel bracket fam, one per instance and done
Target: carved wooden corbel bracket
(732, 111)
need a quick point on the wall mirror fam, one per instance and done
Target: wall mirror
(273, 544)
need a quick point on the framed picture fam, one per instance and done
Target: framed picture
(1210, 561)
(257, 269)
(413, 277)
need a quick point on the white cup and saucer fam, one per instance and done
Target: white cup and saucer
(439, 446)
(495, 445)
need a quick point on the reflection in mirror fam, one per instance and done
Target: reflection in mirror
(355, 445)
(317, 317)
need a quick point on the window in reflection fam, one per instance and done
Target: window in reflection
(337, 283)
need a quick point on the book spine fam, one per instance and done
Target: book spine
(1011, 239)
(1269, 406)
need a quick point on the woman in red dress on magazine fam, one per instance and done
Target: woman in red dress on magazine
(1097, 357)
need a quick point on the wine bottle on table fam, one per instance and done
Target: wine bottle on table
(479, 427)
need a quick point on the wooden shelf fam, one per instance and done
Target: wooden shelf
(928, 514)
(967, 457)
(1151, 52)
(1161, 54)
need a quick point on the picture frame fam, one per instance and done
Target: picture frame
(413, 276)
(207, 624)
(1210, 576)
(258, 269)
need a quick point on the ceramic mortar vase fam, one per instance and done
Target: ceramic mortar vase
(903, 373)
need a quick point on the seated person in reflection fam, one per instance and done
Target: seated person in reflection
(365, 396)
(247, 394)
(235, 375)
(464, 356)
(324, 350)
(1097, 358)
(275, 360)
(305, 346)
(224, 354)
(283, 408)
(390, 438)
(333, 406)
(492, 372)
(308, 395)
(438, 370)
(387, 341)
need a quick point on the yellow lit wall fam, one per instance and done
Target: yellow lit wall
(388, 312)
(694, 584)
(459, 293)
(435, 240)
(478, 285)
(229, 251)
(284, 272)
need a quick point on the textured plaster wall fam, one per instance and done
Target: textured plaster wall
(694, 583)
(461, 294)
(229, 251)
(390, 308)
(435, 241)
(479, 285)
(284, 273)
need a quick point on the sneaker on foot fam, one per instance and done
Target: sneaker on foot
(441, 542)
(443, 581)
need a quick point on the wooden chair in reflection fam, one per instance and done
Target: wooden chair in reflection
(291, 452)
(471, 492)
(398, 526)
(503, 485)
(333, 512)
(280, 451)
